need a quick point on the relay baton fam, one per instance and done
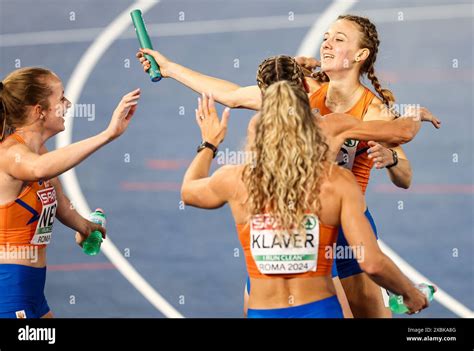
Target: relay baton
(145, 43)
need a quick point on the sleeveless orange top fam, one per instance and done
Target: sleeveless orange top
(353, 154)
(28, 220)
(267, 256)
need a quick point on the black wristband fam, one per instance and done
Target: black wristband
(395, 159)
(204, 145)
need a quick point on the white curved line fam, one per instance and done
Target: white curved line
(309, 47)
(71, 185)
(310, 44)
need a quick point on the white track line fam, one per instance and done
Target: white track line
(310, 47)
(455, 11)
(441, 296)
(73, 92)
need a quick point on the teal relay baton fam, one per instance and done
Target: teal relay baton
(145, 43)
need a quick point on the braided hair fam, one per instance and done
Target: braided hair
(278, 68)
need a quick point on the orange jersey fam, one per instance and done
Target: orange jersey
(269, 255)
(28, 220)
(353, 154)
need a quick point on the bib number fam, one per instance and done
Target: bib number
(44, 228)
(284, 253)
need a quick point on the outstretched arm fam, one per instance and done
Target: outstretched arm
(224, 92)
(23, 164)
(342, 127)
(398, 131)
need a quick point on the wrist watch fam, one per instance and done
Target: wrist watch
(395, 159)
(204, 145)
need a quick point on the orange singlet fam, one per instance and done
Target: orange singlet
(28, 220)
(353, 154)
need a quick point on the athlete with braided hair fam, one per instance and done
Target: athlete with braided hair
(338, 89)
(271, 233)
(348, 51)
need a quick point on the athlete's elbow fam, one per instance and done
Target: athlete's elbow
(187, 195)
(373, 265)
(407, 134)
(412, 130)
(231, 100)
(405, 182)
(40, 173)
(236, 101)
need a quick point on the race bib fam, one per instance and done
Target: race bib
(44, 227)
(347, 154)
(284, 253)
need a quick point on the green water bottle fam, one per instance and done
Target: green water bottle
(396, 301)
(92, 244)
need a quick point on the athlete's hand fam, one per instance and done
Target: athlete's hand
(161, 60)
(423, 114)
(213, 131)
(381, 156)
(88, 228)
(308, 64)
(427, 116)
(123, 114)
(415, 301)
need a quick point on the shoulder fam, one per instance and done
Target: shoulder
(12, 153)
(377, 110)
(226, 179)
(11, 148)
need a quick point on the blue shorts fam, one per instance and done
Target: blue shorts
(346, 267)
(326, 308)
(22, 291)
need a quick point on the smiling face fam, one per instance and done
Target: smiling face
(58, 104)
(340, 49)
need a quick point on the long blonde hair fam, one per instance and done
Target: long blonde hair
(289, 152)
